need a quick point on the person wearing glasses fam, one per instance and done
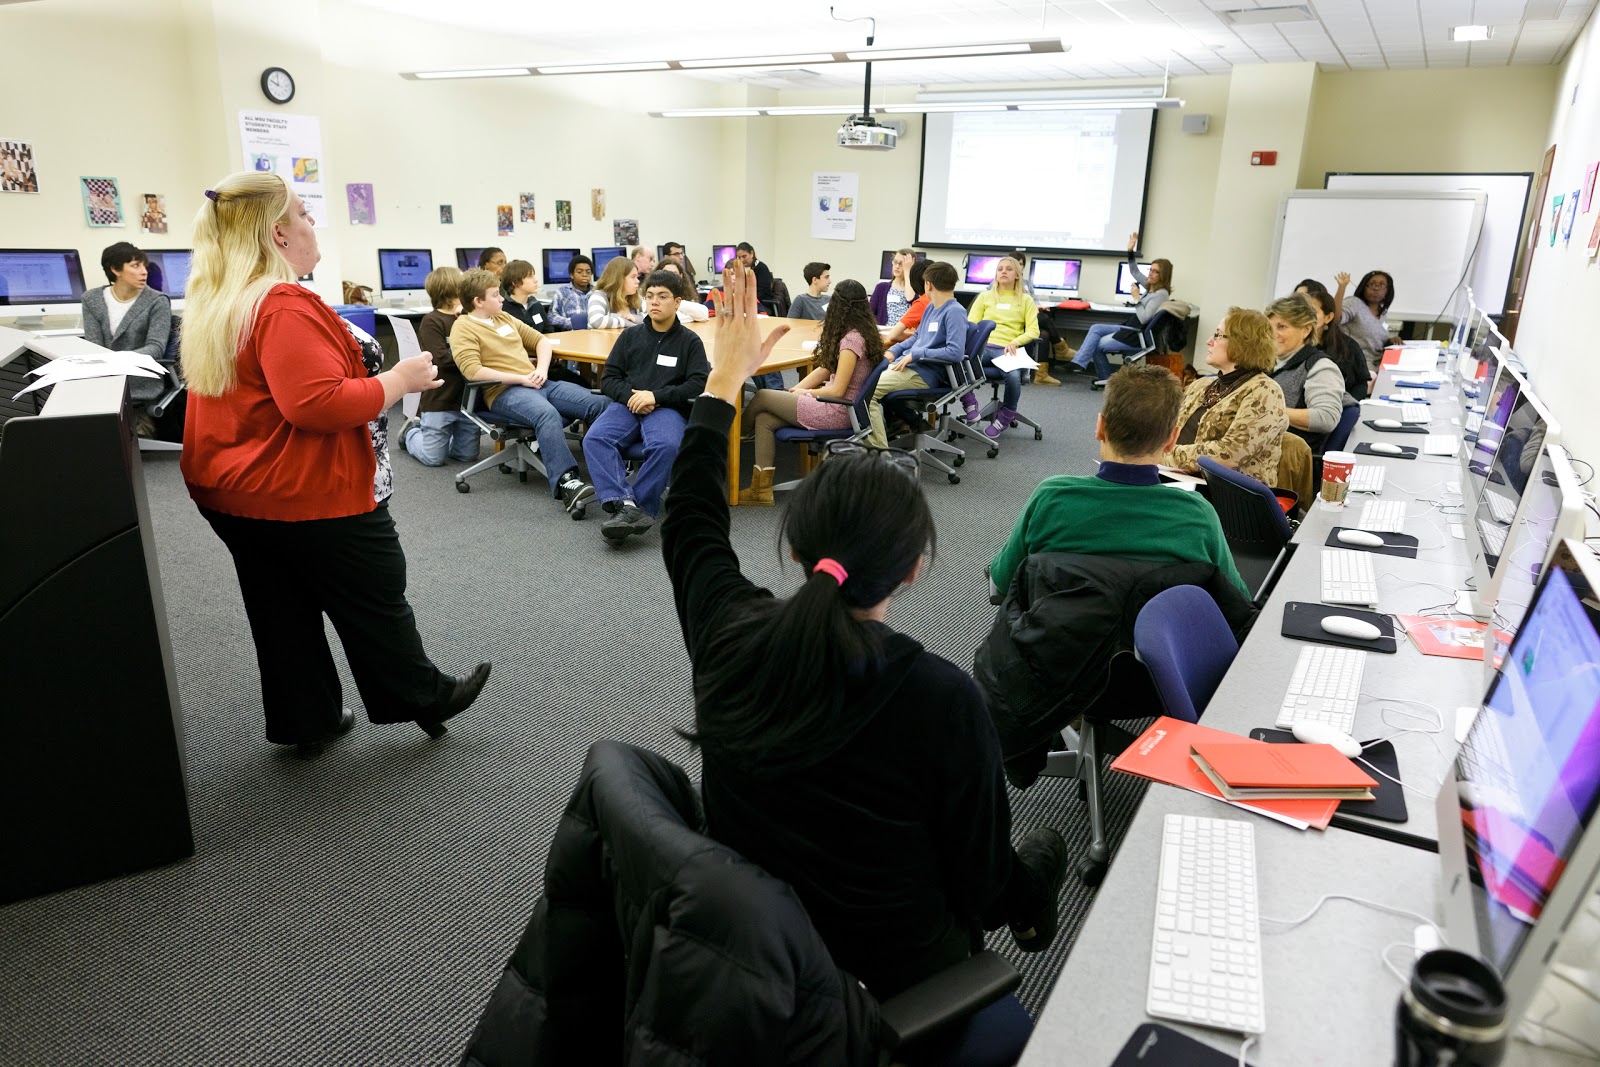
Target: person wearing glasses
(689, 309)
(1362, 319)
(654, 370)
(1108, 336)
(1236, 417)
(841, 755)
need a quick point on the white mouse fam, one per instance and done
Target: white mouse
(1387, 424)
(1387, 449)
(1345, 626)
(1320, 733)
(1360, 537)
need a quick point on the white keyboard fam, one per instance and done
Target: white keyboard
(1348, 577)
(1493, 537)
(1366, 478)
(1324, 688)
(1383, 516)
(1502, 509)
(1205, 964)
(1473, 421)
(1411, 394)
(1415, 414)
(1440, 444)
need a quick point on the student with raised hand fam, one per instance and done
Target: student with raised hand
(813, 303)
(615, 302)
(689, 309)
(573, 298)
(902, 289)
(920, 362)
(491, 346)
(492, 260)
(654, 370)
(907, 323)
(1361, 319)
(1102, 337)
(847, 350)
(440, 428)
(280, 454)
(839, 754)
(1313, 388)
(1010, 307)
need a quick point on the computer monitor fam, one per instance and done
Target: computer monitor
(1055, 275)
(886, 261)
(720, 255)
(169, 272)
(1519, 849)
(35, 282)
(467, 258)
(557, 264)
(1498, 403)
(980, 269)
(402, 274)
(1125, 278)
(1492, 515)
(602, 256)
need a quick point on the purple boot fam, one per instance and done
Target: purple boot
(972, 410)
(1000, 423)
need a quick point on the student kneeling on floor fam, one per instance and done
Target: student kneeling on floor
(655, 369)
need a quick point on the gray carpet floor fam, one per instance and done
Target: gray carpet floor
(358, 909)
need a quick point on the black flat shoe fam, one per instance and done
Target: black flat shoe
(466, 690)
(313, 749)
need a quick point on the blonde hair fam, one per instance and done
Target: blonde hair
(443, 286)
(1251, 345)
(1297, 311)
(611, 283)
(1016, 286)
(236, 262)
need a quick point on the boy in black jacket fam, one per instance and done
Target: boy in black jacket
(655, 369)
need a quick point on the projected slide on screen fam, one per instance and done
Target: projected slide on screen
(1069, 180)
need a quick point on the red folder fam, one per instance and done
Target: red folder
(1258, 765)
(1161, 754)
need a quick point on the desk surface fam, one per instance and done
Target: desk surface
(593, 346)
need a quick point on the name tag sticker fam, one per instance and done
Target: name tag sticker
(1002, 307)
(538, 319)
(666, 361)
(504, 329)
(933, 327)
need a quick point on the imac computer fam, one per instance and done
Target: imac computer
(1057, 277)
(36, 282)
(1498, 405)
(602, 256)
(1125, 279)
(467, 258)
(721, 256)
(886, 261)
(980, 270)
(402, 274)
(557, 264)
(1519, 849)
(169, 272)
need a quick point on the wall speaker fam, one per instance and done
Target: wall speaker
(1196, 123)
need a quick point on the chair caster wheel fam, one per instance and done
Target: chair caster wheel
(955, 479)
(1038, 435)
(959, 460)
(463, 487)
(993, 452)
(522, 476)
(950, 438)
(1090, 872)
(505, 468)
(578, 514)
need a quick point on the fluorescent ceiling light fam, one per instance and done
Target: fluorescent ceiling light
(1469, 33)
(602, 68)
(870, 55)
(757, 61)
(1075, 104)
(486, 72)
(1255, 16)
(819, 109)
(1100, 105)
(711, 113)
(919, 109)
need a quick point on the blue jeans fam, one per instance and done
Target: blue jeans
(1096, 343)
(548, 410)
(618, 428)
(441, 432)
(1011, 393)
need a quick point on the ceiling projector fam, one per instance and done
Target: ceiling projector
(856, 133)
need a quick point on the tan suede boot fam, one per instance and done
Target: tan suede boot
(760, 492)
(1042, 376)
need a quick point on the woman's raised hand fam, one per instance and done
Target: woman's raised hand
(1133, 240)
(1342, 279)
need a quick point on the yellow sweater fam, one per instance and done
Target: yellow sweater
(504, 346)
(1013, 312)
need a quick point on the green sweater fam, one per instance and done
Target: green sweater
(1092, 515)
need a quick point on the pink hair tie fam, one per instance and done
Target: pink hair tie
(832, 568)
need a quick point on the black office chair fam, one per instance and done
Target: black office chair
(1254, 523)
(654, 944)
(1167, 331)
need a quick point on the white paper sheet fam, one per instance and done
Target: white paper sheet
(1017, 360)
(75, 368)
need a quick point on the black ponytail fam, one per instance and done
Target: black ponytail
(774, 684)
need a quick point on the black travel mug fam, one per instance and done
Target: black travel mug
(1453, 1014)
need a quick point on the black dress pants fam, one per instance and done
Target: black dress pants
(353, 570)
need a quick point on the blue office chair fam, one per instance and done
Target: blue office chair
(995, 377)
(1253, 522)
(938, 406)
(1185, 643)
(815, 441)
(1339, 436)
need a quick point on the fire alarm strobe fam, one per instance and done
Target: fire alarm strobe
(1263, 159)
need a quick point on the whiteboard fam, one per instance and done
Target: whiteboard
(1502, 220)
(1424, 241)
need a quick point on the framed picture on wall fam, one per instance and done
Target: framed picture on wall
(102, 201)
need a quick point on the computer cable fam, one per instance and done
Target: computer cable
(1290, 924)
(1249, 1039)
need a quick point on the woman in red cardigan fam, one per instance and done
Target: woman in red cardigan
(285, 452)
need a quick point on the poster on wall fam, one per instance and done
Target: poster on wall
(102, 202)
(525, 207)
(17, 174)
(625, 232)
(1555, 217)
(1588, 186)
(597, 204)
(154, 219)
(833, 206)
(290, 146)
(1594, 240)
(363, 205)
(447, 215)
(563, 214)
(504, 219)
(1571, 213)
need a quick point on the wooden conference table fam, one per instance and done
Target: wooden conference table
(593, 346)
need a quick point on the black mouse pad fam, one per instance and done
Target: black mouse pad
(1406, 452)
(1388, 799)
(1372, 424)
(1154, 1045)
(1303, 620)
(1393, 544)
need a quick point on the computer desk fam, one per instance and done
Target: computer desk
(1329, 999)
(593, 346)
